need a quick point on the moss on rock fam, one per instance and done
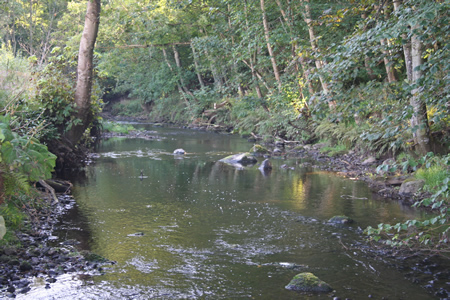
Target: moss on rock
(258, 150)
(308, 282)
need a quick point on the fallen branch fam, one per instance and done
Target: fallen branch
(50, 190)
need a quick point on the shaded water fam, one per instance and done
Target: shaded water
(195, 228)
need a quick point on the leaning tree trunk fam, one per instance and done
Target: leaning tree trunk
(85, 72)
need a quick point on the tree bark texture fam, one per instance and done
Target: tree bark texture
(314, 47)
(269, 46)
(406, 48)
(419, 120)
(85, 72)
(387, 62)
(197, 67)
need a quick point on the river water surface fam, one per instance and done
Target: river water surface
(193, 228)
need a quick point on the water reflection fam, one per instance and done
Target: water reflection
(196, 228)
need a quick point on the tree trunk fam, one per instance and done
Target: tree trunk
(276, 72)
(387, 63)
(176, 55)
(419, 121)
(406, 48)
(180, 89)
(199, 76)
(85, 72)
(314, 47)
(252, 59)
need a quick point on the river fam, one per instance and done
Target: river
(193, 228)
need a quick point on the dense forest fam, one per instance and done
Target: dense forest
(369, 76)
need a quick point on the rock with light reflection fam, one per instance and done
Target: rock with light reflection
(179, 152)
(240, 160)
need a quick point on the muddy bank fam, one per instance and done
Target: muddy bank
(40, 254)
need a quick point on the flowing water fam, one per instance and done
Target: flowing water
(189, 227)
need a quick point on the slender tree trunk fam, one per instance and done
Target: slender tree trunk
(176, 55)
(406, 48)
(313, 41)
(306, 72)
(180, 89)
(31, 29)
(276, 72)
(197, 68)
(387, 62)
(419, 121)
(296, 56)
(252, 59)
(366, 58)
(85, 72)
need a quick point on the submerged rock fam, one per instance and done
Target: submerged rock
(179, 152)
(340, 220)
(242, 159)
(308, 282)
(266, 165)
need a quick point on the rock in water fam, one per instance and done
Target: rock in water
(259, 150)
(265, 165)
(340, 220)
(242, 158)
(179, 152)
(308, 282)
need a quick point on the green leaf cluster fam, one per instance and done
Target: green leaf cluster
(431, 234)
(23, 155)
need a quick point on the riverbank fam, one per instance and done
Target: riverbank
(40, 255)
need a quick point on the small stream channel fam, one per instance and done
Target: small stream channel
(193, 228)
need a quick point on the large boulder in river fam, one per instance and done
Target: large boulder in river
(308, 282)
(242, 159)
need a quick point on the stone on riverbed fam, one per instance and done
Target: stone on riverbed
(340, 220)
(308, 282)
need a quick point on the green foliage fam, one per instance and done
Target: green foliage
(55, 92)
(435, 170)
(13, 215)
(24, 154)
(127, 108)
(431, 234)
(347, 134)
(116, 127)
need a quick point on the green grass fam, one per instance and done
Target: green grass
(334, 151)
(433, 176)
